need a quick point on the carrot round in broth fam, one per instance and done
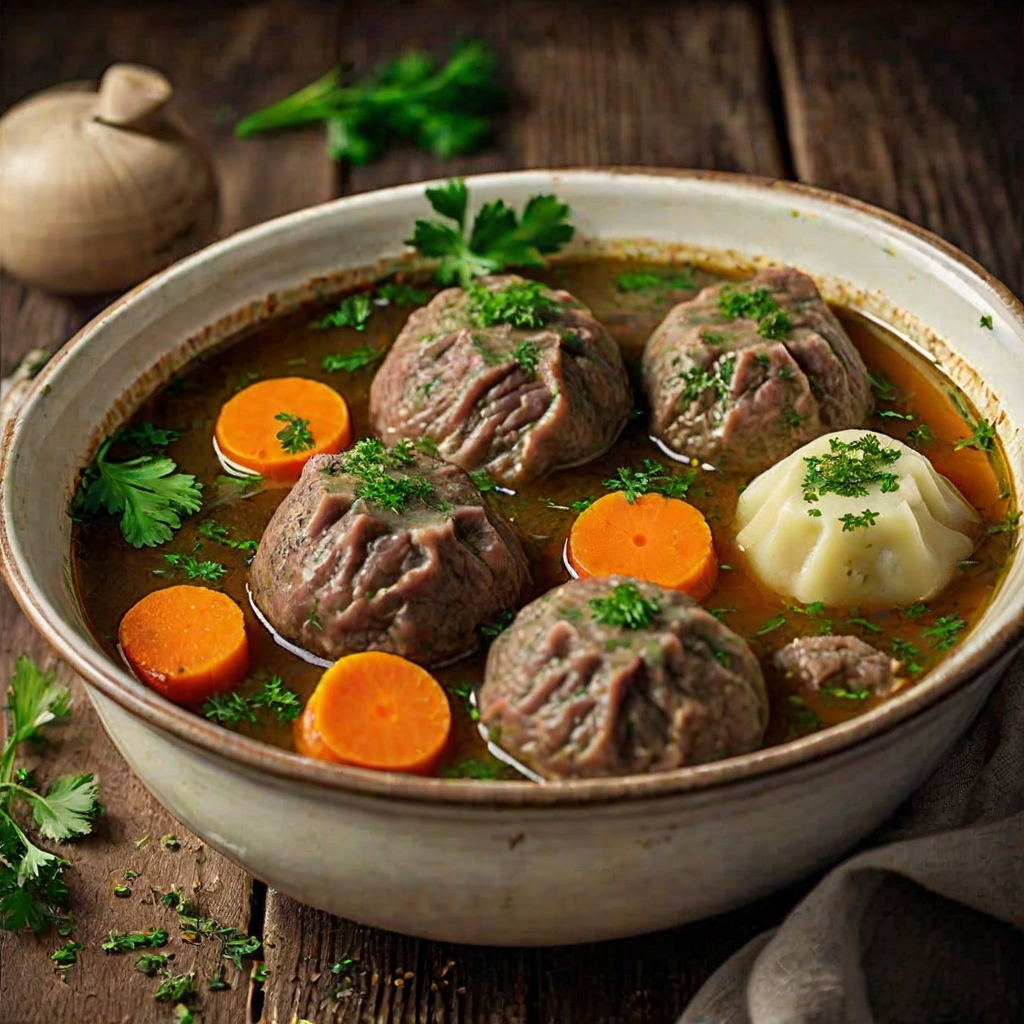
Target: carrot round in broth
(377, 710)
(273, 427)
(187, 643)
(662, 540)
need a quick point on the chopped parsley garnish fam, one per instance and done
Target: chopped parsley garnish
(147, 492)
(574, 506)
(482, 480)
(522, 304)
(353, 311)
(892, 414)
(884, 389)
(492, 629)
(775, 325)
(1008, 525)
(625, 606)
(986, 322)
(983, 431)
(145, 435)
(373, 464)
(921, 435)
(122, 892)
(697, 380)
(655, 281)
(295, 436)
(428, 446)
(440, 109)
(815, 611)
(67, 955)
(474, 768)
(33, 891)
(908, 653)
(190, 568)
(151, 963)
(853, 522)
(774, 623)
(720, 613)
(844, 694)
(527, 355)
(211, 530)
(170, 842)
(395, 293)
(863, 624)
(802, 720)
(498, 239)
(791, 419)
(914, 610)
(814, 512)
(244, 380)
(176, 988)
(943, 634)
(651, 479)
(349, 362)
(234, 943)
(849, 468)
(272, 696)
(245, 482)
(755, 304)
(125, 942)
(714, 337)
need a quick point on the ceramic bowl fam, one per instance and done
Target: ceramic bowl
(517, 863)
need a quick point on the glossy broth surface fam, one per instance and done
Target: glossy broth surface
(111, 575)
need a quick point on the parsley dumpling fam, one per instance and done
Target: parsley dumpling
(855, 518)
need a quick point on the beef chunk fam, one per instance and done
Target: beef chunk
(517, 402)
(743, 391)
(337, 573)
(571, 696)
(839, 662)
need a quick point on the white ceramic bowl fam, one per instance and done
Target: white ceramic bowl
(516, 863)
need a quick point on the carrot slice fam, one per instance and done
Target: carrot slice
(377, 710)
(248, 426)
(187, 643)
(663, 540)
(308, 741)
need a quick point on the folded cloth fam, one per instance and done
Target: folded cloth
(927, 926)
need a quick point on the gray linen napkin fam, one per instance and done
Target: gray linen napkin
(927, 926)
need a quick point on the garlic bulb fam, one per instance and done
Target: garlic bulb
(100, 190)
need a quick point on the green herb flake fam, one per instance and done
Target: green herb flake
(983, 431)
(699, 381)
(843, 694)
(815, 513)
(191, 568)
(349, 362)
(122, 891)
(864, 624)
(233, 708)
(650, 479)
(774, 623)
(151, 963)
(626, 607)
(884, 389)
(125, 942)
(908, 653)
(395, 293)
(916, 610)
(1009, 524)
(170, 842)
(943, 634)
(920, 436)
(211, 530)
(177, 988)
(655, 281)
(850, 468)
(474, 768)
(493, 629)
(295, 436)
(522, 304)
(67, 956)
(892, 414)
(986, 322)
(527, 355)
(853, 522)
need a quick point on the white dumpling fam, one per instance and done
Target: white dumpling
(898, 543)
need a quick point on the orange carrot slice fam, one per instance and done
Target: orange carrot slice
(663, 540)
(248, 427)
(377, 710)
(187, 643)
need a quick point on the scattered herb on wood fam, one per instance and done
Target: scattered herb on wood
(150, 963)
(33, 891)
(625, 606)
(125, 942)
(67, 955)
(177, 988)
(498, 239)
(147, 492)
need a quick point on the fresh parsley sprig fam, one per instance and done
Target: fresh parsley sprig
(650, 479)
(349, 362)
(295, 435)
(353, 311)
(191, 568)
(983, 431)
(374, 464)
(443, 110)
(147, 492)
(498, 238)
(272, 696)
(32, 887)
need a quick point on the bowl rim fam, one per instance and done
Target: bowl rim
(346, 781)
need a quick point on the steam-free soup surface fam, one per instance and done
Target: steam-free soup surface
(914, 402)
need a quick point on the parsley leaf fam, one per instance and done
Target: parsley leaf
(191, 568)
(986, 322)
(774, 623)
(849, 468)
(440, 109)
(651, 479)
(349, 362)
(474, 768)
(655, 281)
(921, 435)
(755, 304)
(498, 239)
(396, 293)
(983, 431)
(943, 634)
(884, 389)
(145, 435)
(273, 696)
(853, 522)
(125, 942)
(625, 606)
(353, 311)
(147, 492)
(375, 466)
(295, 436)
(67, 955)
(211, 530)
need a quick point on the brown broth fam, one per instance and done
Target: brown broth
(111, 576)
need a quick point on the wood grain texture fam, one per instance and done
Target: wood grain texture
(683, 85)
(915, 107)
(243, 57)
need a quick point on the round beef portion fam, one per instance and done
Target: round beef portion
(572, 696)
(743, 391)
(839, 663)
(517, 402)
(336, 573)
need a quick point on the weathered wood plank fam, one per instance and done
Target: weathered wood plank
(244, 56)
(590, 83)
(915, 107)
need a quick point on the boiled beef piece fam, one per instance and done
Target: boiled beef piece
(571, 696)
(744, 374)
(515, 401)
(338, 573)
(839, 663)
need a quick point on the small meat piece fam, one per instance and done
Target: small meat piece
(839, 663)
(570, 696)
(743, 391)
(336, 573)
(517, 402)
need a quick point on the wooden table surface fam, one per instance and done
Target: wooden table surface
(911, 106)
